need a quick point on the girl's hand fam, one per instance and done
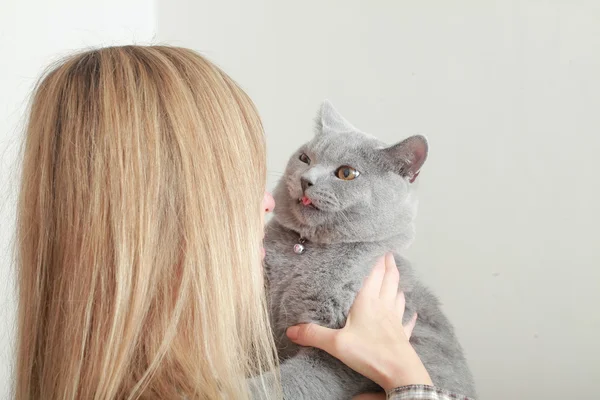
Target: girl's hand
(374, 342)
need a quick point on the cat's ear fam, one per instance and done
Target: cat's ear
(408, 156)
(329, 120)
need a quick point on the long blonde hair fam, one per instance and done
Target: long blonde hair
(139, 229)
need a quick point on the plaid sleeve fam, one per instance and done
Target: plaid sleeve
(422, 392)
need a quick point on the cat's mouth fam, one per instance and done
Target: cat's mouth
(306, 202)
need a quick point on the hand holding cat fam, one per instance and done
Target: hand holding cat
(374, 342)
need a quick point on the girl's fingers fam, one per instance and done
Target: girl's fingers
(391, 279)
(313, 335)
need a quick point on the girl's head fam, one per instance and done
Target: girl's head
(139, 230)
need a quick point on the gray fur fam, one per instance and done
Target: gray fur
(357, 221)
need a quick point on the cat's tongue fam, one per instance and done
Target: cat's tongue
(306, 201)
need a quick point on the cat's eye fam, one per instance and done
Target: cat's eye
(346, 173)
(304, 158)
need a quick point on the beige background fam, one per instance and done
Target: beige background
(507, 92)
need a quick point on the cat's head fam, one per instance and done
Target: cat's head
(345, 185)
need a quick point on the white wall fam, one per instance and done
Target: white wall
(32, 34)
(508, 93)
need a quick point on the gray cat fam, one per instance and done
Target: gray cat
(344, 201)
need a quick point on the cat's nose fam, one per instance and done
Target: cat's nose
(305, 184)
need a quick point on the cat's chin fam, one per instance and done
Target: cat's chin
(307, 214)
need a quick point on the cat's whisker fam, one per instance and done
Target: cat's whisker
(328, 199)
(344, 215)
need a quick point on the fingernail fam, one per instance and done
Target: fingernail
(292, 332)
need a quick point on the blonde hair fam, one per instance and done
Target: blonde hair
(139, 230)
